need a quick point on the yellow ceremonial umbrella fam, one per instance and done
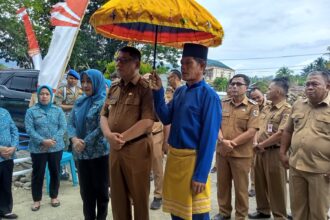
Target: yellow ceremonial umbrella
(167, 22)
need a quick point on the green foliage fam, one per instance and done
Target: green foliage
(2, 66)
(167, 54)
(90, 50)
(284, 72)
(220, 83)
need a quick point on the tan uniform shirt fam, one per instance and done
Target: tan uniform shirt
(66, 96)
(272, 119)
(238, 119)
(157, 127)
(311, 136)
(127, 104)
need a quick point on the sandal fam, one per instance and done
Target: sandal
(55, 203)
(35, 208)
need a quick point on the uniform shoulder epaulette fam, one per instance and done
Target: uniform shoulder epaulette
(253, 102)
(226, 99)
(115, 82)
(143, 82)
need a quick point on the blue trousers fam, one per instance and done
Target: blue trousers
(203, 216)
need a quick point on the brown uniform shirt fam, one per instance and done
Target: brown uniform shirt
(237, 120)
(127, 104)
(311, 136)
(272, 119)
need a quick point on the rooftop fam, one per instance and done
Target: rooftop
(216, 63)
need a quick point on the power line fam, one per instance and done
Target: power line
(277, 57)
(270, 68)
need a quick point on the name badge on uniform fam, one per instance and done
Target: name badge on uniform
(269, 128)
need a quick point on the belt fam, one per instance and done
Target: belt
(157, 132)
(136, 139)
(272, 147)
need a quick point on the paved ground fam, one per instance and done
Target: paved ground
(71, 205)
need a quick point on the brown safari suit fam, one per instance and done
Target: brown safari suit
(270, 175)
(130, 167)
(236, 166)
(310, 160)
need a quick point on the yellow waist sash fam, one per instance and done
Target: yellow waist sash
(178, 198)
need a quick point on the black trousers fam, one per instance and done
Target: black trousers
(6, 197)
(94, 182)
(39, 162)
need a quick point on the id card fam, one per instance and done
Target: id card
(269, 128)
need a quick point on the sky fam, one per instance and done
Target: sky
(270, 28)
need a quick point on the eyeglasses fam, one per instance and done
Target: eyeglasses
(238, 84)
(123, 60)
(312, 84)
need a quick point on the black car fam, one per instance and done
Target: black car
(16, 88)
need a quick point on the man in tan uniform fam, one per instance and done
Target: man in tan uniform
(270, 176)
(174, 79)
(234, 150)
(66, 96)
(126, 121)
(308, 133)
(257, 96)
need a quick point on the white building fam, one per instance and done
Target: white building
(216, 69)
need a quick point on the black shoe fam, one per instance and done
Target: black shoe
(258, 215)
(252, 193)
(9, 216)
(220, 217)
(290, 217)
(65, 176)
(156, 203)
(214, 170)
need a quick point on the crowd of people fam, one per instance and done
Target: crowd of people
(119, 134)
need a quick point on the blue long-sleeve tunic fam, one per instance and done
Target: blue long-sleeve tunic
(41, 125)
(9, 133)
(96, 144)
(195, 118)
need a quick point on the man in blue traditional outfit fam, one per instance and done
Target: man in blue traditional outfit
(195, 118)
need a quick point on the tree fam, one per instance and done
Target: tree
(168, 54)
(284, 72)
(90, 50)
(220, 83)
(2, 66)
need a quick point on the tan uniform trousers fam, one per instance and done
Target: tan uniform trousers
(309, 195)
(252, 174)
(236, 169)
(130, 171)
(157, 163)
(270, 184)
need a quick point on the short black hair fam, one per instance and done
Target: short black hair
(324, 73)
(177, 73)
(132, 51)
(245, 77)
(255, 88)
(282, 82)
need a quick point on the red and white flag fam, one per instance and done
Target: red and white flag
(66, 16)
(34, 51)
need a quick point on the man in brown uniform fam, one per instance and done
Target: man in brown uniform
(257, 96)
(126, 121)
(270, 176)
(234, 150)
(308, 132)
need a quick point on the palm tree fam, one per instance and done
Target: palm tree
(320, 64)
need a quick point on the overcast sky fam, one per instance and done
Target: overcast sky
(268, 28)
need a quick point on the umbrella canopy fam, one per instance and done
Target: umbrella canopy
(175, 22)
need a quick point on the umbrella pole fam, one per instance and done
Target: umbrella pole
(155, 48)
